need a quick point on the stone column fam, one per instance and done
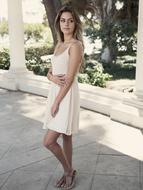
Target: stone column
(18, 77)
(16, 35)
(139, 66)
(130, 111)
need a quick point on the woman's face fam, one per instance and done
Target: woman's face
(67, 23)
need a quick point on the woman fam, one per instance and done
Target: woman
(62, 114)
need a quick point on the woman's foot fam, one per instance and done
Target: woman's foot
(69, 180)
(60, 182)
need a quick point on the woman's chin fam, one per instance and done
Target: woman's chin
(67, 32)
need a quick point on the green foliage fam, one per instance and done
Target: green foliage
(40, 69)
(33, 31)
(3, 28)
(126, 38)
(83, 78)
(33, 53)
(120, 35)
(97, 77)
(94, 73)
(122, 69)
(34, 61)
(4, 59)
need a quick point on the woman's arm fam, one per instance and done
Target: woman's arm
(75, 57)
(57, 79)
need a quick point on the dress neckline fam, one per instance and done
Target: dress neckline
(56, 55)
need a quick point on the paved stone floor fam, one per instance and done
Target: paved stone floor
(107, 155)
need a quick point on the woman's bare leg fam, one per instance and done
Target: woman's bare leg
(67, 146)
(50, 142)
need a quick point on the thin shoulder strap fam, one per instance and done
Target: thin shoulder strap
(71, 44)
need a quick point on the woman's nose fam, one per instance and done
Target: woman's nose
(67, 23)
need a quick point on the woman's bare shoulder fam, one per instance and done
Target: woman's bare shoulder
(76, 42)
(77, 45)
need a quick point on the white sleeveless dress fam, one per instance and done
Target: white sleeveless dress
(66, 120)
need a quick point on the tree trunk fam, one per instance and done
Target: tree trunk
(51, 7)
(109, 49)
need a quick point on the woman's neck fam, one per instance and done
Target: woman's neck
(68, 39)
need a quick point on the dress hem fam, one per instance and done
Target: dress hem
(61, 131)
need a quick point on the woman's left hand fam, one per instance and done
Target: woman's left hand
(54, 109)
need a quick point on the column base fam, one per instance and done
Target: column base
(8, 80)
(130, 111)
(24, 81)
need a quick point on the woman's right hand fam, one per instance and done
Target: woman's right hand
(57, 79)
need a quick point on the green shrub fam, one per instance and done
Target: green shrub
(34, 31)
(83, 78)
(93, 71)
(122, 71)
(33, 54)
(40, 69)
(34, 61)
(4, 59)
(94, 75)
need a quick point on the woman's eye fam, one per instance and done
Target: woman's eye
(67, 21)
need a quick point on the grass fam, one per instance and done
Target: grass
(124, 68)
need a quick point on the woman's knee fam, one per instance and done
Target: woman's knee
(67, 137)
(48, 142)
(50, 138)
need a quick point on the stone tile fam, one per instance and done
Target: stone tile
(129, 183)
(141, 168)
(27, 180)
(83, 181)
(34, 167)
(11, 163)
(20, 148)
(107, 182)
(84, 159)
(3, 178)
(26, 143)
(25, 139)
(9, 119)
(43, 169)
(4, 147)
(102, 182)
(46, 165)
(95, 131)
(107, 150)
(83, 139)
(141, 174)
(9, 134)
(85, 163)
(90, 148)
(117, 165)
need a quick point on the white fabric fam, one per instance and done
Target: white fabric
(67, 119)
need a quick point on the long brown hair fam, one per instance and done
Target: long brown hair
(77, 31)
(78, 25)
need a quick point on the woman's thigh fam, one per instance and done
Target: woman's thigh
(50, 137)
